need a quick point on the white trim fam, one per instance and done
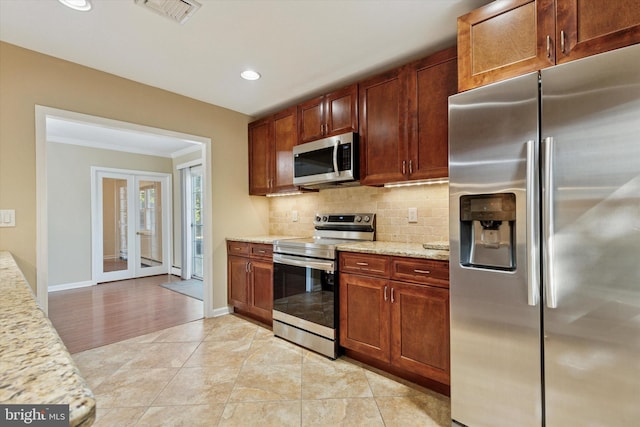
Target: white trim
(221, 311)
(176, 271)
(42, 251)
(76, 285)
(189, 164)
(184, 152)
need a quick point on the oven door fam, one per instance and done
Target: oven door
(305, 293)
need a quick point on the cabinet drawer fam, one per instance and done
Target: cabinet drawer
(420, 271)
(237, 248)
(371, 265)
(259, 250)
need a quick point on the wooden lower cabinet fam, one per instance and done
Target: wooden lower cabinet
(420, 330)
(365, 315)
(404, 324)
(250, 279)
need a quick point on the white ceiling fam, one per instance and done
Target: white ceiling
(300, 47)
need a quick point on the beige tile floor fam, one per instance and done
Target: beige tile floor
(227, 371)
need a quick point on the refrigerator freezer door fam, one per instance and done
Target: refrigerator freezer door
(591, 127)
(495, 332)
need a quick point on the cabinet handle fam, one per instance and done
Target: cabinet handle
(247, 267)
(366, 264)
(393, 299)
(562, 42)
(410, 167)
(548, 46)
(386, 298)
(262, 251)
(422, 271)
(404, 167)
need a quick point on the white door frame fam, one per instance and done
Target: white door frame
(133, 260)
(42, 251)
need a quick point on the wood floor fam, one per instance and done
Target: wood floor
(94, 316)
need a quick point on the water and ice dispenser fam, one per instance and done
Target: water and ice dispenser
(487, 231)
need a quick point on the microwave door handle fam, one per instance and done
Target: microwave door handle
(335, 157)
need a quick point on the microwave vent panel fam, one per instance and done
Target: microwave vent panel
(176, 10)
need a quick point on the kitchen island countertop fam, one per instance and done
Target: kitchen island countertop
(35, 367)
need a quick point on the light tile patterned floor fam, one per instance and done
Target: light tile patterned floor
(227, 371)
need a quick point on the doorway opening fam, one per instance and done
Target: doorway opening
(47, 119)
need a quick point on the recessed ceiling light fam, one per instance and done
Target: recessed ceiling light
(250, 75)
(82, 5)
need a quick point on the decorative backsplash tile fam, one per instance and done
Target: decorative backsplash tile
(390, 205)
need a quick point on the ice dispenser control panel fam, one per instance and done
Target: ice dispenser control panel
(487, 230)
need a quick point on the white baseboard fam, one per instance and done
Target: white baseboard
(66, 286)
(176, 271)
(217, 312)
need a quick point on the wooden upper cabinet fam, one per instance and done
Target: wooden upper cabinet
(513, 37)
(404, 121)
(588, 27)
(505, 39)
(271, 142)
(285, 125)
(260, 156)
(328, 115)
(383, 128)
(431, 81)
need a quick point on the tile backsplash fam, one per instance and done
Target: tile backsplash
(389, 204)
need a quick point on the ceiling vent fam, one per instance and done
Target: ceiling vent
(176, 10)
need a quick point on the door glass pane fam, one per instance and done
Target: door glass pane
(150, 223)
(196, 222)
(114, 224)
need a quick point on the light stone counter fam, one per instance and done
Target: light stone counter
(414, 250)
(35, 366)
(267, 240)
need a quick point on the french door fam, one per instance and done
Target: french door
(131, 224)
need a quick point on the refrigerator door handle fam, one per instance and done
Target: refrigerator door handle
(548, 226)
(533, 229)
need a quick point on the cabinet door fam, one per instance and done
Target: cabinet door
(431, 82)
(505, 39)
(588, 27)
(311, 119)
(420, 330)
(285, 130)
(262, 289)
(260, 157)
(364, 315)
(237, 281)
(383, 130)
(341, 112)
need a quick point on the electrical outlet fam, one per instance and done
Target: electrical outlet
(413, 215)
(294, 216)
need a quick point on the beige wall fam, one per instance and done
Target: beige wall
(69, 204)
(28, 78)
(389, 204)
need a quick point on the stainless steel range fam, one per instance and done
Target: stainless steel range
(305, 280)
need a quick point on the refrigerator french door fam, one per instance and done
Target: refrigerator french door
(545, 247)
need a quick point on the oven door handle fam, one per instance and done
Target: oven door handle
(328, 266)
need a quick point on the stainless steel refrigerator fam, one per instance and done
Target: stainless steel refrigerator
(545, 247)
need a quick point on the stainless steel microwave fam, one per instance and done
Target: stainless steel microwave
(327, 162)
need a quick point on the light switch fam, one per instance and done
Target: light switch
(7, 218)
(413, 215)
(294, 216)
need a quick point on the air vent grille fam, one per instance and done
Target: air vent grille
(176, 10)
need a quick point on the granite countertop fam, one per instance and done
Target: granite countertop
(437, 251)
(431, 250)
(35, 366)
(260, 239)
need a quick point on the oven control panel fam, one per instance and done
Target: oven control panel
(326, 221)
